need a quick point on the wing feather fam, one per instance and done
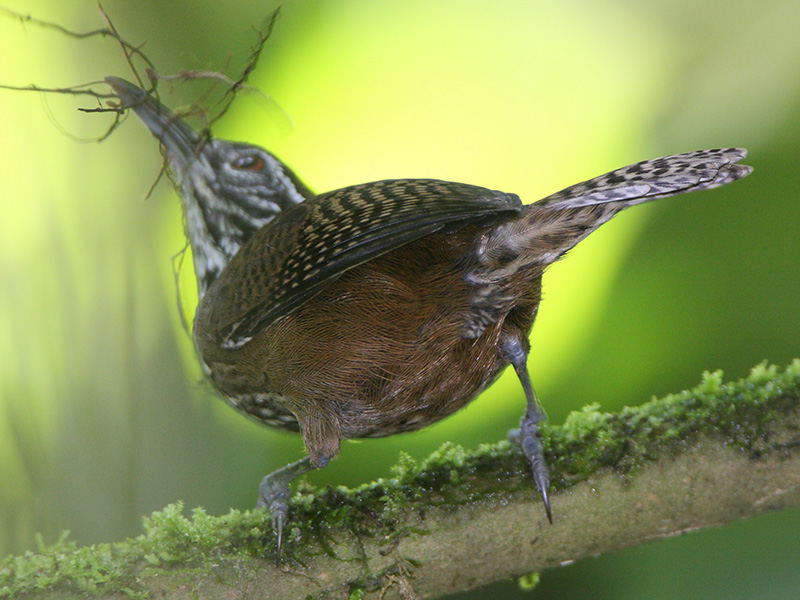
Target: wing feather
(305, 249)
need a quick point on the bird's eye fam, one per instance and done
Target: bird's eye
(249, 162)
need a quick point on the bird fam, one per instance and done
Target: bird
(382, 307)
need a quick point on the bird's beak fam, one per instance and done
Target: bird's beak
(180, 141)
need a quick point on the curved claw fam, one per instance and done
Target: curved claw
(544, 486)
(532, 447)
(278, 523)
(274, 495)
(528, 437)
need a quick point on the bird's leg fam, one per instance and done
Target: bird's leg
(528, 436)
(274, 494)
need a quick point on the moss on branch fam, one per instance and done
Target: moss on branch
(703, 457)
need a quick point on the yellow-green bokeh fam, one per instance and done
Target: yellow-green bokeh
(102, 414)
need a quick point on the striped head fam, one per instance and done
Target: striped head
(229, 190)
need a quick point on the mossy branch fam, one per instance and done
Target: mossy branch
(697, 459)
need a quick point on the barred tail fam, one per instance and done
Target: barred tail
(657, 178)
(552, 226)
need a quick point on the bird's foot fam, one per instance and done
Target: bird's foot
(274, 494)
(530, 440)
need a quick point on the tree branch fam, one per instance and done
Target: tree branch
(702, 458)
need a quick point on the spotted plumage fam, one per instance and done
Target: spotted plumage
(553, 225)
(382, 307)
(656, 178)
(311, 245)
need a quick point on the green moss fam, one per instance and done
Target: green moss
(528, 583)
(169, 538)
(356, 594)
(738, 412)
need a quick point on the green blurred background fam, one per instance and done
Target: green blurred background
(103, 413)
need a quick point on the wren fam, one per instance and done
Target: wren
(383, 307)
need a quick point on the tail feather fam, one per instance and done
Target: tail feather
(547, 229)
(657, 178)
(553, 225)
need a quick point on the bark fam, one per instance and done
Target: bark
(702, 458)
